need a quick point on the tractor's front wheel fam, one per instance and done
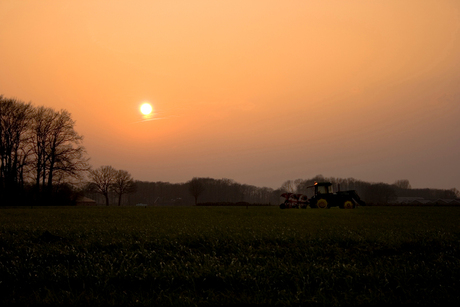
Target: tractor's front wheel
(322, 204)
(348, 204)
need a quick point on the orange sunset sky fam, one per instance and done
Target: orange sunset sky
(255, 91)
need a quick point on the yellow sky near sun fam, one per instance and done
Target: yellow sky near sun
(235, 78)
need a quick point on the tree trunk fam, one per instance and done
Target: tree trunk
(44, 176)
(50, 178)
(51, 168)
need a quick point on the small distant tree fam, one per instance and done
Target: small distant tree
(196, 188)
(402, 184)
(102, 180)
(455, 192)
(291, 185)
(123, 184)
(379, 193)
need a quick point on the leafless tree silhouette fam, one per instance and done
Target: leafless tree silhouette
(102, 180)
(123, 184)
(196, 187)
(37, 145)
(402, 184)
(63, 153)
(15, 117)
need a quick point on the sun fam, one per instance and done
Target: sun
(146, 108)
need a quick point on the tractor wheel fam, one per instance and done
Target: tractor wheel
(348, 204)
(282, 206)
(322, 203)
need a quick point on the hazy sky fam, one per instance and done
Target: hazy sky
(255, 91)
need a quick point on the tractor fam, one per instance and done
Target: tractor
(323, 198)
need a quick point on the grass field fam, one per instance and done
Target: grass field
(228, 256)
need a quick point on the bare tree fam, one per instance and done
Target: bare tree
(57, 148)
(37, 144)
(14, 141)
(42, 120)
(291, 186)
(196, 187)
(379, 193)
(64, 151)
(402, 184)
(102, 180)
(455, 192)
(123, 184)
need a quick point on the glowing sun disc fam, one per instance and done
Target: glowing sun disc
(146, 108)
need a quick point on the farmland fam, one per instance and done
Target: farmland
(229, 255)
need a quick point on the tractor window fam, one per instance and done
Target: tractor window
(322, 190)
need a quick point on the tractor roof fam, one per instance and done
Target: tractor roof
(323, 184)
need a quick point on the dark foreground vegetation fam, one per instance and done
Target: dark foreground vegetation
(228, 256)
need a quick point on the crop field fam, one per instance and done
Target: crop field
(187, 256)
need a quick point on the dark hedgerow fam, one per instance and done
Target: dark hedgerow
(229, 256)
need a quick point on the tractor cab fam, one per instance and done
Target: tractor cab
(323, 188)
(324, 195)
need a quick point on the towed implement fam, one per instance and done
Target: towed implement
(323, 198)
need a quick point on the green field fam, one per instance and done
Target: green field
(228, 256)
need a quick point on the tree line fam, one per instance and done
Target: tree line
(209, 190)
(192, 192)
(40, 153)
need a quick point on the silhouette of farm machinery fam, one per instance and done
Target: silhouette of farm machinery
(323, 198)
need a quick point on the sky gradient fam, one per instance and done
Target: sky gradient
(255, 91)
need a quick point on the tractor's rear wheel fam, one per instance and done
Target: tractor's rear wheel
(322, 204)
(348, 204)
